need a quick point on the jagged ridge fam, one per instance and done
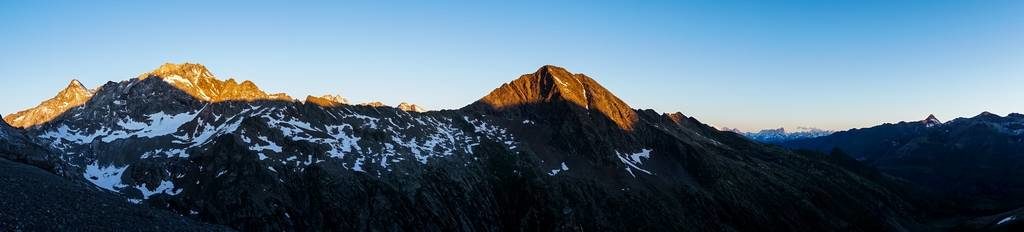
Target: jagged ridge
(199, 82)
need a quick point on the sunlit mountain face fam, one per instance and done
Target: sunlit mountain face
(74, 95)
(550, 151)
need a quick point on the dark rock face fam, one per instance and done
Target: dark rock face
(970, 160)
(15, 146)
(549, 151)
(36, 200)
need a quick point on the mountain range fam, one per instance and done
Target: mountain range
(973, 162)
(781, 134)
(551, 150)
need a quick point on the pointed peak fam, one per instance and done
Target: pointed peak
(553, 84)
(75, 82)
(76, 86)
(74, 95)
(931, 120)
(552, 69)
(559, 76)
(74, 89)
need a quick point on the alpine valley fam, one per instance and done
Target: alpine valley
(177, 148)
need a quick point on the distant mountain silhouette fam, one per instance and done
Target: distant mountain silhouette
(976, 160)
(780, 135)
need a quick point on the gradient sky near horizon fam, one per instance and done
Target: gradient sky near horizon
(743, 64)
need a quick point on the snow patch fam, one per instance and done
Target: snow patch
(560, 81)
(1007, 219)
(175, 79)
(554, 172)
(271, 146)
(75, 136)
(635, 160)
(167, 153)
(358, 165)
(107, 177)
(165, 187)
(159, 124)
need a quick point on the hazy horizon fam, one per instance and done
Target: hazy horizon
(749, 66)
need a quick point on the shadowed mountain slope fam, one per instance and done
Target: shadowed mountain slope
(36, 200)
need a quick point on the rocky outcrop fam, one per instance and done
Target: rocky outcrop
(15, 146)
(411, 108)
(327, 100)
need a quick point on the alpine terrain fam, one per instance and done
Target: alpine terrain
(549, 151)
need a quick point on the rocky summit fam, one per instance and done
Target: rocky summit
(555, 85)
(549, 151)
(74, 95)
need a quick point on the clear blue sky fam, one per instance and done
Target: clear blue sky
(745, 64)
